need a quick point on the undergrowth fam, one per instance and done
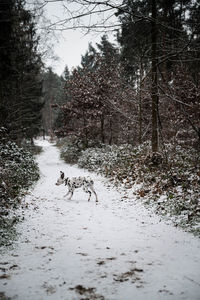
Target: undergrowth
(169, 182)
(18, 171)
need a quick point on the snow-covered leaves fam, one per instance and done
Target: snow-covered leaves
(171, 186)
(18, 170)
(110, 160)
(70, 152)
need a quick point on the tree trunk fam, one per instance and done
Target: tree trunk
(102, 129)
(154, 91)
(111, 132)
(140, 101)
(85, 131)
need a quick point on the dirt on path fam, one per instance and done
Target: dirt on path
(113, 250)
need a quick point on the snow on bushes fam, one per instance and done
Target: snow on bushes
(71, 150)
(17, 171)
(170, 183)
(113, 161)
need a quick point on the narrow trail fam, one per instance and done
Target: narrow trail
(113, 250)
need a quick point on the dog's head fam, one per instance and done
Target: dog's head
(61, 178)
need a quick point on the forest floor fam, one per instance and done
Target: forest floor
(115, 249)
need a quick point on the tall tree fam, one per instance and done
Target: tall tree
(21, 87)
(88, 60)
(54, 88)
(107, 50)
(169, 35)
(154, 72)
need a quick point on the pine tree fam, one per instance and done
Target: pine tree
(21, 87)
(107, 50)
(88, 60)
(54, 94)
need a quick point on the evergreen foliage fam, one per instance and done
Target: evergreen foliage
(53, 90)
(20, 67)
(18, 171)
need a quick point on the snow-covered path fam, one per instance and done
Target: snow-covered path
(113, 250)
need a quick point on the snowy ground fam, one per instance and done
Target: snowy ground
(113, 250)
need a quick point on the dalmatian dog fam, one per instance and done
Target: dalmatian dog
(77, 182)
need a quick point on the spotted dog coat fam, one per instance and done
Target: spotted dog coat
(77, 182)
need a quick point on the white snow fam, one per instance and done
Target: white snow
(115, 246)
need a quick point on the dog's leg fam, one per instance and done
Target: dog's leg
(89, 194)
(67, 194)
(85, 188)
(72, 192)
(92, 189)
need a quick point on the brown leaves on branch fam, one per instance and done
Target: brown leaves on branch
(97, 107)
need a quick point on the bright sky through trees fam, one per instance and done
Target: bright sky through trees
(71, 44)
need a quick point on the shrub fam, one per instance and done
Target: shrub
(18, 171)
(168, 181)
(31, 147)
(71, 150)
